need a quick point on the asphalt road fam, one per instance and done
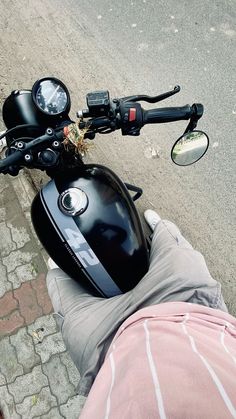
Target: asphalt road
(145, 46)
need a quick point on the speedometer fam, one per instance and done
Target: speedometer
(51, 96)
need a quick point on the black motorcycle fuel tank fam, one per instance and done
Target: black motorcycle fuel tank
(102, 246)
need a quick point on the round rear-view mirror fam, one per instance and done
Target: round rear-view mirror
(190, 148)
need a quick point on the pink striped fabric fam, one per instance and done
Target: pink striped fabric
(172, 360)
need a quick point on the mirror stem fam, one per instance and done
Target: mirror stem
(198, 110)
(191, 126)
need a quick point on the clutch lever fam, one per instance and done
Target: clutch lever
(151, 99)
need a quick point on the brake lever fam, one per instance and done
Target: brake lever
(151, 99)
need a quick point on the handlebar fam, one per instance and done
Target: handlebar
(125, 114)
(11, 160)
(19, 157)
(133, 117)
(162, 115)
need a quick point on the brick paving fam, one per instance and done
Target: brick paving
(23, 305)
(37, 377)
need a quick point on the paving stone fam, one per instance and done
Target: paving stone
(5, 285)
(28, 217)
(7, 304)
(72, 371)
(2, 189)
(40, 287)
(2, 381)
(24, 346)
(9, 364)
(7, 245)
(50, 345)
(58, 379)
(11, 323)
(23, 190)
(5, 181)
(14, 280)
(2, 214)
(17, 258)
(19, 235)
(72, 409)
(28, 305)
(7, 404)
(37, 404)
(22, 274)
(28, 384)
(54, 413)
(47, 323)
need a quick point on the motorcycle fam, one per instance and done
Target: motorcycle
(85, 216)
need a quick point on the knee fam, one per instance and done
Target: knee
(51, 281)
(52, 274)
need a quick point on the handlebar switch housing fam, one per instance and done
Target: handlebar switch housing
(131, 118)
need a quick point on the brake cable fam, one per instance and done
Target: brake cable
(16, 128)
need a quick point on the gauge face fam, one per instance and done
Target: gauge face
(51, 96)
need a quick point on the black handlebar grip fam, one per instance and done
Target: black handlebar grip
(161, 115)
(10, 160)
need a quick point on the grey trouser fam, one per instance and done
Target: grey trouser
(177, 272)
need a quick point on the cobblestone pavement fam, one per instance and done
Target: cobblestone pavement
(37, 377)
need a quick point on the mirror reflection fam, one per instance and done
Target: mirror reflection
(190, 148)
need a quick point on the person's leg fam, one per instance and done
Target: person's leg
(177, 272)
(88, 324)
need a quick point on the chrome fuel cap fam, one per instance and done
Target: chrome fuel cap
(73, 201)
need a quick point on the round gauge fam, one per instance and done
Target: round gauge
(51, 96)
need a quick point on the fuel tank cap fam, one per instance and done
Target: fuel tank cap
(73, 201)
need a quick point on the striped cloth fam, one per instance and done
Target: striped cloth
(172, 360)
